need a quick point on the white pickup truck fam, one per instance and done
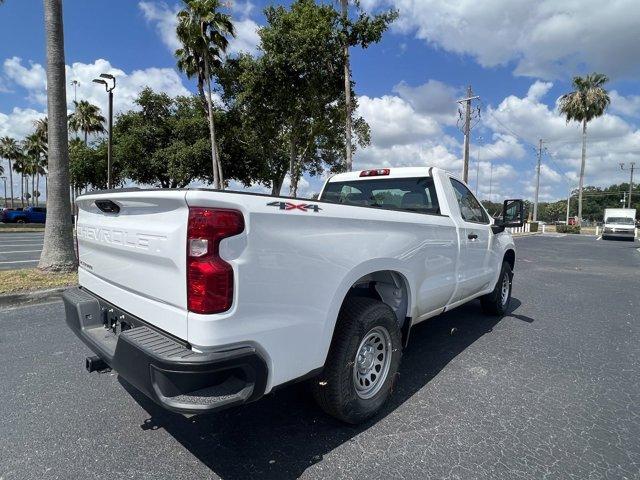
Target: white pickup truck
(207, 299)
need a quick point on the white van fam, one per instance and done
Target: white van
(619, 223)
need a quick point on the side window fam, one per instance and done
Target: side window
(470, 208)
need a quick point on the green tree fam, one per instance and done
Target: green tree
(11, 151)
(587, 101)
(88, 165)
(58, 253)
(363, 31)
(86, 118)
(203, 30)
(164, 143)
(297, 85)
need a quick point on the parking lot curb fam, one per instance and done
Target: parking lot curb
(29, 298)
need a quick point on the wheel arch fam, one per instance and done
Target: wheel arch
(388, 283)
(510, 257)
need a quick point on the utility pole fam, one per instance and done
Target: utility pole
(568, 205)
(477, 172)
(466, 129)
(633, 165)
(490, 180)
(535, 203)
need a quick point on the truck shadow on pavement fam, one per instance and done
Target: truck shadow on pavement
(283, 434)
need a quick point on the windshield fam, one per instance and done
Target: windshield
(409, 194)
(620, 220)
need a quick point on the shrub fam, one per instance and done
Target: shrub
(568, 228)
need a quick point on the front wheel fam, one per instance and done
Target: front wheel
(497, 302)
(362, 363)
(21, 220)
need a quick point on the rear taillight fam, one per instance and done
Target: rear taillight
(209, 277)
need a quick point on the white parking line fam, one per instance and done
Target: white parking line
(22, 245)
(599, 238)
(18, 237)
(20, 251)
(19, 261)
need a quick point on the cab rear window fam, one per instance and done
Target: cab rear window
(404, 194)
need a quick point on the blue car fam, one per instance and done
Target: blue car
(26, 215)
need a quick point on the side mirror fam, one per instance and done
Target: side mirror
(513, 213)
(512, 216)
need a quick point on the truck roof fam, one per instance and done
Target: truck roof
(397, 172)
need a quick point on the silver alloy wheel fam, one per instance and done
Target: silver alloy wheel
(372, 362)
(504, 290)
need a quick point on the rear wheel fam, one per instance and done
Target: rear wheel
(21, 220)
(497, 302)
(362, 363)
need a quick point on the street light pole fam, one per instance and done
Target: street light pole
(75, 84)
(110, 136)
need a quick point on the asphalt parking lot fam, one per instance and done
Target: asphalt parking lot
(20, 249)
(549, 391)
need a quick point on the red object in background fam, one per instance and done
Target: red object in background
(573, 221)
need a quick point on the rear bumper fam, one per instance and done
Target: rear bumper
(162, 367)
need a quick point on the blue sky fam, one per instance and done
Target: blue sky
(519, 57)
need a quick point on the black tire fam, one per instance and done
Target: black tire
(495, 303)
(335, 388)
(21, 220)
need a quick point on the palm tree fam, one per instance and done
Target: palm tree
(203, 29)
(41, 160)
(35, 149)
(589, 100)
(58, 252)
(20, 166)
(86, 118)
(10, 149)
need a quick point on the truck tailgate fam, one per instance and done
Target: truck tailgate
(132, 252)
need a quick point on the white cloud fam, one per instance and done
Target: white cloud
(628, 106)
(19, 122)
(127, 88)
(546, 38)
(433, 98)
(246, 39)
(243, 9)
(163, 17)
(538, 90)
(407, 132)
(610, 139)
(394, 121)
(32, 77)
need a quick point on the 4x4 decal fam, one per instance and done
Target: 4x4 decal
(305, 207)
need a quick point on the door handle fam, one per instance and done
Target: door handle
(472, 236)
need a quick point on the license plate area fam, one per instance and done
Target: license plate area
(116, 320)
